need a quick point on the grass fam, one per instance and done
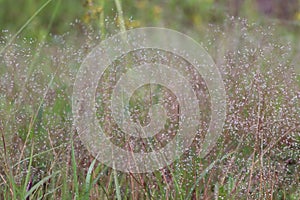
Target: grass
(257, 157)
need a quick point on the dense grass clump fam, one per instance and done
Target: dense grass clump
(257, 156)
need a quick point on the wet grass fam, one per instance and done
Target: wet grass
(257, 156)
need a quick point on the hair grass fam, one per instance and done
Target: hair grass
(241, 166)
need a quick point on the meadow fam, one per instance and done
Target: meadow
(42, 46)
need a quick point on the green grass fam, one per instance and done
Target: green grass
(257, 156)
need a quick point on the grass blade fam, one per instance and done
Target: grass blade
(88, 184)
(39, 184)
(117, 183)
(74, 166)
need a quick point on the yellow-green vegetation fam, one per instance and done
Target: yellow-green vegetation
(43, 44)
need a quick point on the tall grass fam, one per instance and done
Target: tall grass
(257, 156)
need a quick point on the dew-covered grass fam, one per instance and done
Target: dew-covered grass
(256, 157)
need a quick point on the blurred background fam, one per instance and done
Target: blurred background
(194, 15)
(101, 17)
